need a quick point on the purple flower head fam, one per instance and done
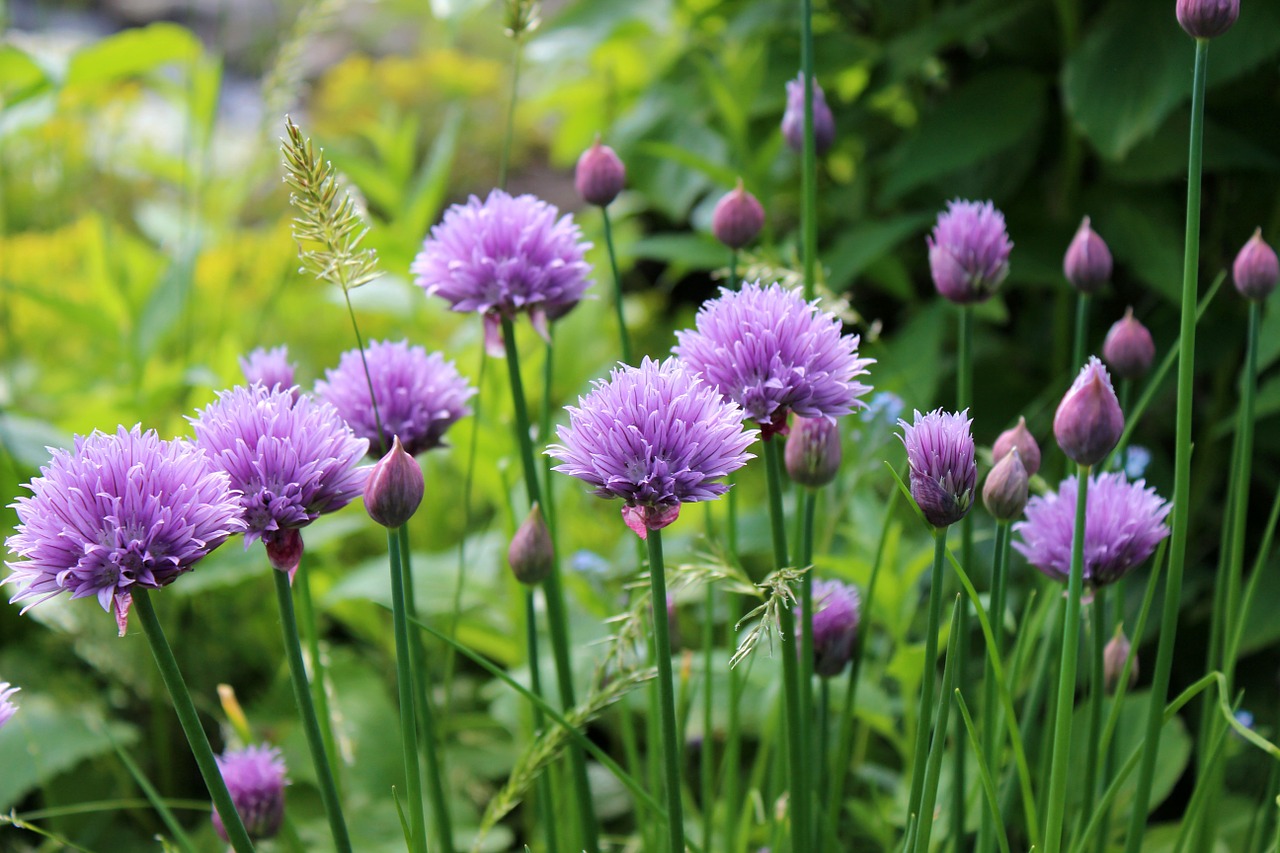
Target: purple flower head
(7, 708)
(772, 353)
(655, 436)
(600, 175)
(738, 217)
(419, 395)
(1123, 524)
(502, 256)
(1128, 347)
(1089, 422)
(944, 472)
(836, 613)
(122, 510)
(969, 251)
(824, 124)
(271, 367)
(1087, 264)
(255, 778)
(292, 462)
(1206, 19)
(1256, 268)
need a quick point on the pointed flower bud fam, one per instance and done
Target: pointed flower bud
(1087, 263)
(824, 123)
(531, 553)
(738, 218)
(836, 612)
(813, 451)
(943, 472)
(1005, 492)
(969, 251)
(1256, 268)
(1021, 438)
(256, 779)
(394, 488)
(1088, 422)
(1128, 349)
(1206, 19)
(600, 175)
(1113, 658)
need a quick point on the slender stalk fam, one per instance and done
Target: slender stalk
(190, 720)
(509, 138)
(1067, 674)
(546, 804)
(964, 400)
(990, 710)
(924, 720)
(1182, 461)
(815, 758)
(302, 582)
(706, 760)
(937, 750)
(623, 337)
(731, 765)
(1081, 339)
(809, 158)
(666, 688)
(451, 655)
(1097, 693)
(1240, 500)
(405, 683)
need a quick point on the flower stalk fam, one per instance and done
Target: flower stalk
(666, 689)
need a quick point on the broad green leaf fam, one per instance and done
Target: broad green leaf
(131, 53)
(21, 77)
(867, 243)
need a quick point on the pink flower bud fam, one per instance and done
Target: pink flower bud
(1206, 19)
(1087, 263)
(1128, 349)
(394, 488)
(1089, 422)
(1021, 438)
(824, 123)
(600, 175)
(738, 218)
(531, 554)
(284, 550)
(1005, 492)
(1256, 268)
(1113, 658)
(813, 451)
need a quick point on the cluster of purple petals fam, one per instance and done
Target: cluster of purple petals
(772, 353)
(121, 511)
(836, 613)
(291, 461)
(256, 780)
(943, 470)
(271, 367)
(655, 436)
(7, 708)
(1123, 524)
(504, 255)
(969, 251)
(419, 395)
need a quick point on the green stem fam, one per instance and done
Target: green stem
(1097, 693)
(190, 720)
(924, 728)
(1240, 501)
(1182, 461)
(1067, 674)
(990, 710)
(623, 337)
(706, 758)
(815, 757)
(302, 582)
(731, 767)
(1080, 341)
(405, 684)
(809, 158)
(666, 688)
(924, 826)
(964, 401)
(546, 804)
(509, 138)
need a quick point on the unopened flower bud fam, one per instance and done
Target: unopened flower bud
(600, 175)
(531, 554)
(813, 451)
(284, 550)
(1256, 269)
(1113, 658)
(1021, 438)
(1087, 263)
(738, 218)
(256, 779)
(1089, 422)
(837, 609)
(1128, 349)
(394, 488)
(1206, 19)
(824, 123)
(1005, 492)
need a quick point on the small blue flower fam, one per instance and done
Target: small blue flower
(1136, 460)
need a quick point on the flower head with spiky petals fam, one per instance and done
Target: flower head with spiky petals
(969, 251)
(292, 462)
(1123, 524)
(944, 472)
(123, 510)
(256, 779)
(772, 353)
(837, 609)
(419, 395)
(271, 367)
(503, 256)
(655, 436)
(7, 708)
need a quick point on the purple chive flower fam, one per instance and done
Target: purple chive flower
(738, 217)
(1087, 264)
(419, 395)
(1128, 348)
(1088, 423)
(655, 436)
(503, 256)
(7, 708)
(969, 251)
(824, 124)
(255, 778)
(122, 510)
(1123, 524)
(772, 353)
(271, 367)
(1256, 268)
(1206, 19)
(291, 462)
(944, 472)
(836, 613)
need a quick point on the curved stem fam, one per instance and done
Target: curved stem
(666, 688)
(405, 683)
(623, 337)
(190, 720)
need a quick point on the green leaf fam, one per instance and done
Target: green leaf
(21, 77)
(132, 53)
(866, 244)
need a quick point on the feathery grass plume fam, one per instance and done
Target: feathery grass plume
(779, 593)
(329, 217)
(283, 80)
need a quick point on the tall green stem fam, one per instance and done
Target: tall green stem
(190, 720)
(809, 157)
(924, 727)
(990, 710)
(509, 138)
(546, 806)
(623, 337)
(706, 759)
(1081, 339)
(302, 582)
(1240, 500)
(1097, 691)
(666, 688)
(405, 683)
(964, 401)
(813, 763)
(1182, 461)
(924, 826)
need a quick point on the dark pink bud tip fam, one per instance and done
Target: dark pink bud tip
(1021, 438)
(642, 519)
(284, 550)
(1256, 269)
(394, 488)
(531, 554)
(1206, 19)
(1087, 263)
(600, 175)
(1089, 422)
(738, 218)
(813, 451)
(1129, 349)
